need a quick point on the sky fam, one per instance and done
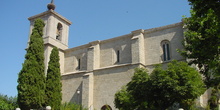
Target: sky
(91, 20)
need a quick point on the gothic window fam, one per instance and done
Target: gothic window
(166, 50)
(59, 31)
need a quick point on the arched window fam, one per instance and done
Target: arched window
(166, 50)
(106, 107)
(59, 31)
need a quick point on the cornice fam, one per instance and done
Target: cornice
(102, 68)
(116, 38)
(139, 31)
(142, 31)
(73, 73)
(94, 42)
(115, 66)
(50, 12)
(162, 27)
(78, 47)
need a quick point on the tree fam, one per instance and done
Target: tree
(124, 100)
(136, 87)
(202, 39)
(7, 103)
(130, 97)
(31, 78)
(53, 83)
(179, 83)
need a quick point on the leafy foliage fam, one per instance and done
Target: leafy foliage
(202, 38)
(31, 79)
(179, 83)
(136, 87)
(53, 83)
(202, 41)
(7, 103)
(213, 101)
(124, 100)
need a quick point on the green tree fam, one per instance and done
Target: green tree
(130, 97)
(7, 103)
(202, 42)
(31, 79)
(202, 39)
(136, 87)
(179, 83)
(124, 100)
(53, 81)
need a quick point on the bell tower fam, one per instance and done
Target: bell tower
(56, 32)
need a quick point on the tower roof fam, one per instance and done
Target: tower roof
(51, 5)
(50, 12)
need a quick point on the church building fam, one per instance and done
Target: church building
(94, 72)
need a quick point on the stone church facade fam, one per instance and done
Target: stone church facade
(94, 72)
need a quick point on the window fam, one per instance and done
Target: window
(166, 50)
(117, 56)
(106, 107)
(59, 31)
(79, 64)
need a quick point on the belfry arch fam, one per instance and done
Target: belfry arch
(59, 31)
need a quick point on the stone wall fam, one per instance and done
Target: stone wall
(70, 84)
(109, 48)
(153, 38)
(72, 57)
(108, 81)
(101, 75)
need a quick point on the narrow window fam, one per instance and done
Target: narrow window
(118, 56)
(79, 64)
(59, 31)
(166, 51)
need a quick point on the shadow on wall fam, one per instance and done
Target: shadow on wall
(77, 95)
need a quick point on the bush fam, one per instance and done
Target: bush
(179, 83)
(7, 103)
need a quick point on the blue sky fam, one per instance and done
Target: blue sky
(92, 20)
